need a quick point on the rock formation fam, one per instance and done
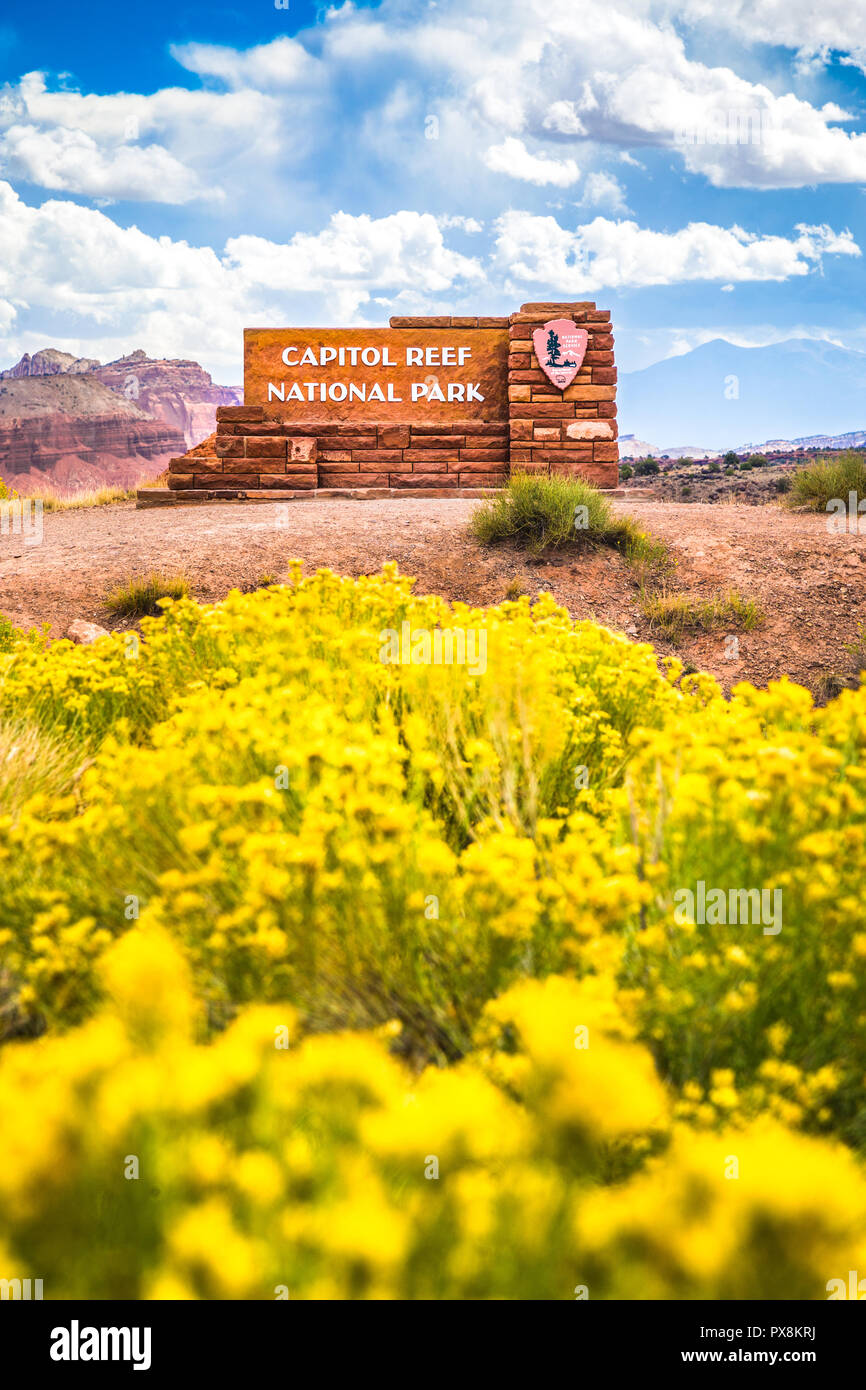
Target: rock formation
(69, 432)
(69, 422)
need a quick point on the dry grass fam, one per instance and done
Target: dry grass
(91, 497)
(674, 615)
(138, 597)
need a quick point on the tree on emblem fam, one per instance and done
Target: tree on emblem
(552, 349)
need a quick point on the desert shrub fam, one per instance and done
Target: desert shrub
(286, 685)
(626, 471)
(675, 614)
(140, 597)
(646, 467)
(541, 513)
(427, 882)
(273, 1164)
(731, 459)
(827, 480)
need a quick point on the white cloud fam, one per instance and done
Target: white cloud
(512, 90)
(813, 31)
(513, 158)
(603, 190)
(171, 146)
(117, 286)
(282, 63)
(606, 255)
(72, 160)
(470, 225)
(563, 118)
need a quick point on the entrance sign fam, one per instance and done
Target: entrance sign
(372, 374)
(434, 407)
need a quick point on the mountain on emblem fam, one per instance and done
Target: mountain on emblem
(560, 346)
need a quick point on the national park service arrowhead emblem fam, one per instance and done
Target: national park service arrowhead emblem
(560, 346)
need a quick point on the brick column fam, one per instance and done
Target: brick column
(570, 431)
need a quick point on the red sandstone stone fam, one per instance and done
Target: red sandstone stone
(605, 453)
(481, 465)
(568, 307)
(428, 457)
(393, 437)
(468, 479)
(265, 448)
(376, 456)
(239, 412)
(229, 448)
(227, 480)
(484, 455)
(297, 480)
(438, 441)
(529, 411)
(425, 480)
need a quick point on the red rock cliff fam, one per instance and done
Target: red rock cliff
(69, 432)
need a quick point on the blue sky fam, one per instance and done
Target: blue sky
(172, 173)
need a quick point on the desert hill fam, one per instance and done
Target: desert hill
(71, 422)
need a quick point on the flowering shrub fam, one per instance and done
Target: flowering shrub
(140, 1164)
(374, 974)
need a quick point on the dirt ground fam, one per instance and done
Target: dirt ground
(812, 584)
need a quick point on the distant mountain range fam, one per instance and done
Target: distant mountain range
(632, 448)
(68, 422)
(721, 394)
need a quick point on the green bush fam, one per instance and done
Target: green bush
(138, 598)
(541, 513)
(829, 479)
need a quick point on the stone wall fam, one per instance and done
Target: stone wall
(259, 454)
(570, 431)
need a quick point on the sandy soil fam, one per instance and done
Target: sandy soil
(811, 583)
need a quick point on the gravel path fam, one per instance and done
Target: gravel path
(812, 583)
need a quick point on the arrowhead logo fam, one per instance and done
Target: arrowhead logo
(560, 346)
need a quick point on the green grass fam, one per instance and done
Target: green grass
(541, 513)
(675, 615)
(139, 597)
(828, 479)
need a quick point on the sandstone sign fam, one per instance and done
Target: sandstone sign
(442, 406)
(373, 374)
